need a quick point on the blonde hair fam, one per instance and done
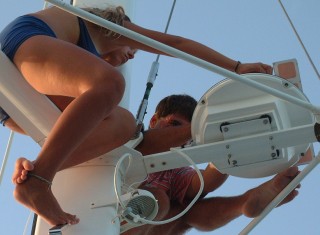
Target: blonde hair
(114, 14)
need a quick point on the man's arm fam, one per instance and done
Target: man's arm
(212, 178)
(161, 140)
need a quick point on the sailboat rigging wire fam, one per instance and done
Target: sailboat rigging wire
(27, 223)
(281, 196)
(168, 23)
(151, 78)
(6, 155)
(299, 39)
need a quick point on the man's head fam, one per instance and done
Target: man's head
(174, 110)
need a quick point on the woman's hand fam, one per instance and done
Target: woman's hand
(254, 68)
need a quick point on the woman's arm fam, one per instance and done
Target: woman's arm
(191, 47)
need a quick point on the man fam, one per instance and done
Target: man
(171, 127)
(181, 184)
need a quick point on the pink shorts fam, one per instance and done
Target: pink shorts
(174, 182)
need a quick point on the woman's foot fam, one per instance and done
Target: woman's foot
(22, 167)
(258, 198)
(36, 195)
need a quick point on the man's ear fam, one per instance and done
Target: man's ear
(153, 121)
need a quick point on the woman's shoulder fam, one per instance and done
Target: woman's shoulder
(52, 12)
(63, 23)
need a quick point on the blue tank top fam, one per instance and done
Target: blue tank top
(85, 40)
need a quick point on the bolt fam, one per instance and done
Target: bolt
(164, 163)
(227, 146)
(225, 129)
(265, 121)
(234, 162)
(152, 165)
(273, 155)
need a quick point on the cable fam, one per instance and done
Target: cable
(168, 23)
(151, 78)
(137, 217)
(190, 204)
(299, 39)
(131, 186)
(115, 182)
(27, 222)
(6, 155)
(129, 164)
(115, 178)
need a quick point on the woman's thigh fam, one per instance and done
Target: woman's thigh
(56, 67)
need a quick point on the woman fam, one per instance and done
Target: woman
(63, 56)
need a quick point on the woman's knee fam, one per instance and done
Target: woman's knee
(118, 83)
(127, 120)
(121, 124)
(108, 82)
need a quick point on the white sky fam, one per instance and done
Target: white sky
(246, 30)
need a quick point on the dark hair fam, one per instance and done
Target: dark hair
(177, 104)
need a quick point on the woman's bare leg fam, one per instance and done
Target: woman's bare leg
(55, 67)
(97, 144)
(94, 146)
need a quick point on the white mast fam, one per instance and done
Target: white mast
(90, 186)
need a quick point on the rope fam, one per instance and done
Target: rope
(299, 39)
